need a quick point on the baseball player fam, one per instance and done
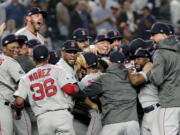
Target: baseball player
(10, 74)
(47, 87)
(93, 72)
(24, 59)
(34, 21)
(165, 75)
(116, 38)
(148, 96)
(118, 98)
(67, 62)
(80, 35)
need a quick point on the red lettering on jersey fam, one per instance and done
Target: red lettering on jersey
(31, 78)
(40, 74)
(35, 76)
(1, 60)
(90, 81)
(48, 72)
(43, 89)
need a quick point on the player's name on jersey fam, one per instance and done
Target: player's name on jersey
(39, 74)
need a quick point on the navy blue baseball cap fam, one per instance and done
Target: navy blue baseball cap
(117, 57)
(80, 34)
(23, 37)
(114, 34)
(70, 45)
(91, 58)
(40, 52)
(159, 27)
(171, 29)
(135, 44)
(32, 43)
(143, 53)
(54, 57)
(36, 10)
(103, 37)
(12, 38)
(123, 48)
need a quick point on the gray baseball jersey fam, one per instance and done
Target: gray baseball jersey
(42, 86)
(10, 74)
(88, 79)
(30, 35)
(148, 95)
(72, 75)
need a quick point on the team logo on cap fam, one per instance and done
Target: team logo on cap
(152, 26)
(105, 35)
(73, 44)
(115, 33)
(83, 32)
(6, 41)
(161, 30)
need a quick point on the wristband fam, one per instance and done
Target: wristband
(144, 75)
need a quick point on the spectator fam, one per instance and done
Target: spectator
(16, 11)
(145, 23)
(103, 18)
(128, 17)
(63, 17)
(10, 27)
(164, 11)
(80, 18)
(3, 5)
(175, 14)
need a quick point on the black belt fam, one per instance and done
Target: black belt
(150, 108)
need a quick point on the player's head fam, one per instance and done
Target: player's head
(116, 38)
(80, 35)
(54, 57)
(31, 44)
(141, 57)
(69, 52)
(103, 43)
(35, 18)
(159, 31)
(117, 57)
(24, 46)
(11, 45)
(40, 54)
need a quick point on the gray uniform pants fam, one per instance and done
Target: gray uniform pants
(124, 128)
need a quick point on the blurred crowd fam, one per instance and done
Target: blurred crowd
(130, 17)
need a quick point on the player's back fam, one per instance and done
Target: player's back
(44, 88)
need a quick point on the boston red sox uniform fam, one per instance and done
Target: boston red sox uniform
(42, 86)
(30, 35)
(148, 97)
(71, 72)
(10, 74)
(95, 124)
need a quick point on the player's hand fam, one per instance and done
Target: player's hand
(147, 67)
(95, 107)
(92, 49)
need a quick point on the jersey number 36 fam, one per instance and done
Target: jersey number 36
(43, 89)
